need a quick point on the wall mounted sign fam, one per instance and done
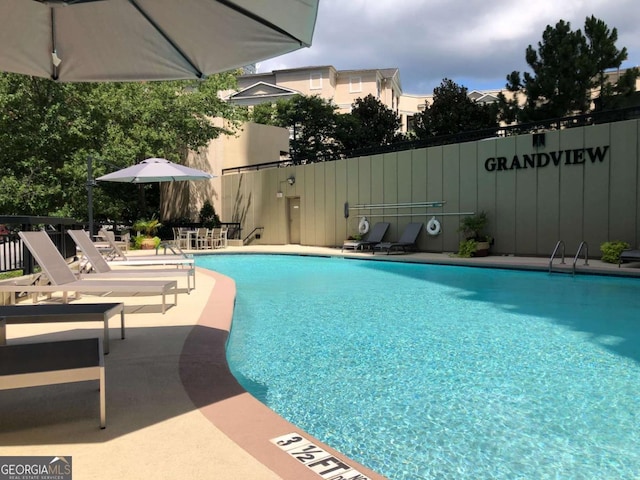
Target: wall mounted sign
(576, 156)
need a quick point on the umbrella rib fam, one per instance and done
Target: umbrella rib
(261, 20)
(199, 74)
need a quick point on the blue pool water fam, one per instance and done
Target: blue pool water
(437, 372)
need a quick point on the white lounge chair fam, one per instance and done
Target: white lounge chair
(104, 270)
(62, 279)
(169, 259)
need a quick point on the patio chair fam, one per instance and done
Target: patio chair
(62, 279)
(180, 238)
(629, 256)
(203, 239)
(219, 237)
(104, 270)
(224, 236)
(406, 242)
(374, 237)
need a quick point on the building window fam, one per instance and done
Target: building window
(315, 81)
(355, 84)
(411, 123)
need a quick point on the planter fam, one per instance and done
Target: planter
(482, 249)
(148, 244)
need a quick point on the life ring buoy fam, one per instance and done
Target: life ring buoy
(433, 227)
(363, 226)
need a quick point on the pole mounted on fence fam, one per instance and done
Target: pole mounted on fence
(90, 184)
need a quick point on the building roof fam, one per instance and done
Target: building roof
(261, 90)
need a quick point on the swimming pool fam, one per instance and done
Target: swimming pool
(437, 372)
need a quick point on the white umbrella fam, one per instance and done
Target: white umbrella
(154, 170)
(151, 170)
(128, 40)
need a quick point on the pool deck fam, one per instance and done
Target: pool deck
(173, 408)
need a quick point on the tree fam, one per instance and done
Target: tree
(371, 124)
(452, 111)
(263, 113)
(41, 124)
(312, 123)
(565, 68)
(49, 129)
(319, 132)
(605, 55)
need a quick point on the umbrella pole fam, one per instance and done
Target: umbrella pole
(90, 184)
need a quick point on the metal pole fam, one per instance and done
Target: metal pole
(418, 214)
(90, 184)
(398, 205)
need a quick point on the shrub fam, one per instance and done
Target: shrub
(611, 251)
(208, 216)
(467, 248)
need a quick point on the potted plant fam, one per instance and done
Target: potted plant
(473, 229)
(146, 238)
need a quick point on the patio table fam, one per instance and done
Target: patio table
(73, 312)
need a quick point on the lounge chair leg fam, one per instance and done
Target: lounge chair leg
(103, 401)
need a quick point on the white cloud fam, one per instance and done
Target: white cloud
(474, 42)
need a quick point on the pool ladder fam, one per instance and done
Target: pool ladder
(560, 246)
(586, 255)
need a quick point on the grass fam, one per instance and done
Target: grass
(11, 274)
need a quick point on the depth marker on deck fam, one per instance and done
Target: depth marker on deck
(316, 459)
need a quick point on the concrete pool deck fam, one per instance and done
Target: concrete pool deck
(173, 408)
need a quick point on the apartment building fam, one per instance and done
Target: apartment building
(342, 87)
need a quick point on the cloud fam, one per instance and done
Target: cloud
(473, 42)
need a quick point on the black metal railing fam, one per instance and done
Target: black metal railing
(256, 232)
(15, 256)
(593, 118)
(234, 230)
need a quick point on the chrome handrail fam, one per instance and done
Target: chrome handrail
(555, 250)
(586, 255)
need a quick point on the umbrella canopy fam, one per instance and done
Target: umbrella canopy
(155, 170)
(129, 40)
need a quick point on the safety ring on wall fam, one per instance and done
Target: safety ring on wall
(363, 226)
(433, 227)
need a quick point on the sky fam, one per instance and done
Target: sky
(475, 43)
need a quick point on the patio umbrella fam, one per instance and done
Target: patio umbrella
(129, 40)
(151, 170)
(154, 170)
